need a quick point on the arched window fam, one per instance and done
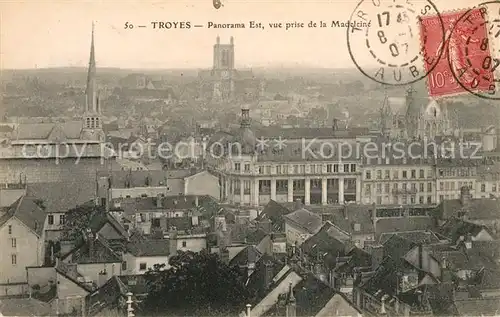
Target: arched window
(93, 123)
(88, 123)
(97, 122)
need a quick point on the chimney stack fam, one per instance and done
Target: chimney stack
(291, 308)
(465, 195)
(268, 274)
(172, 240)
(298, 204)
(224, 254)
(248, 309)
(196, 202)
(158, 201)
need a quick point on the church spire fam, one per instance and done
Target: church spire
(91, 105)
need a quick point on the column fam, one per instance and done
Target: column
(256, 192)
(358, 189)
(233, 184)
(341, 190)
(307, 191)
(324, 191)
(273, 189)
(242, 191)
(226, 188)
(290, 190)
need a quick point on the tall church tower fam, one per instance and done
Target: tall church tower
(92, 123)
(223, 70)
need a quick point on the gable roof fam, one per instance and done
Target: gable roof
(93, 250)
(70, 272)
(394, 224)
(274, 211)
(249, 254)
(454, 228)
(149, 247)
(346, 217)
(325, 246)
(101, 218)
(24, 307)
(305, 219)
(49, 131)
(58, 198)
(107, 296)
(27, 211)
(417, 236)
(477, 209)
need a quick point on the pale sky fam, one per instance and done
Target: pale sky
(41, 33)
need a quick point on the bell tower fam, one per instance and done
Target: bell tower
(92, 123)
(223, 70)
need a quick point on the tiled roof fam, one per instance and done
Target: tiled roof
(101, 218)
(24, 307)
(311, 295)
(345, 217)
(454, 228)
(325, 246)
(70, 272)
(478, 208)
(249, 254)
(470, 259)
(419, 236)
(393, 224)
(484, 306)
(107, 296)
(126, 179)
(43, 131)
(150, 247)
(397, 247)
(64, 195)
(255, 236)
(100, 253)
(27, 211)
(306, 219)
(275, 212)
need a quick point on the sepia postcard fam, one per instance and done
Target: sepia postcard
(250, 158)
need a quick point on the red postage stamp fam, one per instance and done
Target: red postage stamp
(464, 47)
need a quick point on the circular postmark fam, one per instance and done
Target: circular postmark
(387, 39)
(474, 50)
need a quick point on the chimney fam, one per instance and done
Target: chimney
(172, 240)
(344, 211)
(420, 262)
(248, 309)
(468, 242)
(465, 196)
(291, 308)
(103, 278)
(158, 201)
(377, 256)
(196, 202)
(382, 311)
(268, 274)
(374, 216)
(298, 204)
(224, 254)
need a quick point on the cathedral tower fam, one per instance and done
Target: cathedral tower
(92, 123)
(223, 70)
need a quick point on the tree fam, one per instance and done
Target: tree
(196, 284)
(78, 219)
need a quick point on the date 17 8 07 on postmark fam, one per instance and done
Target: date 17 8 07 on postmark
(474, 50)
(389, 50)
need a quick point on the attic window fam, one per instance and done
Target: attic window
(357, 227)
